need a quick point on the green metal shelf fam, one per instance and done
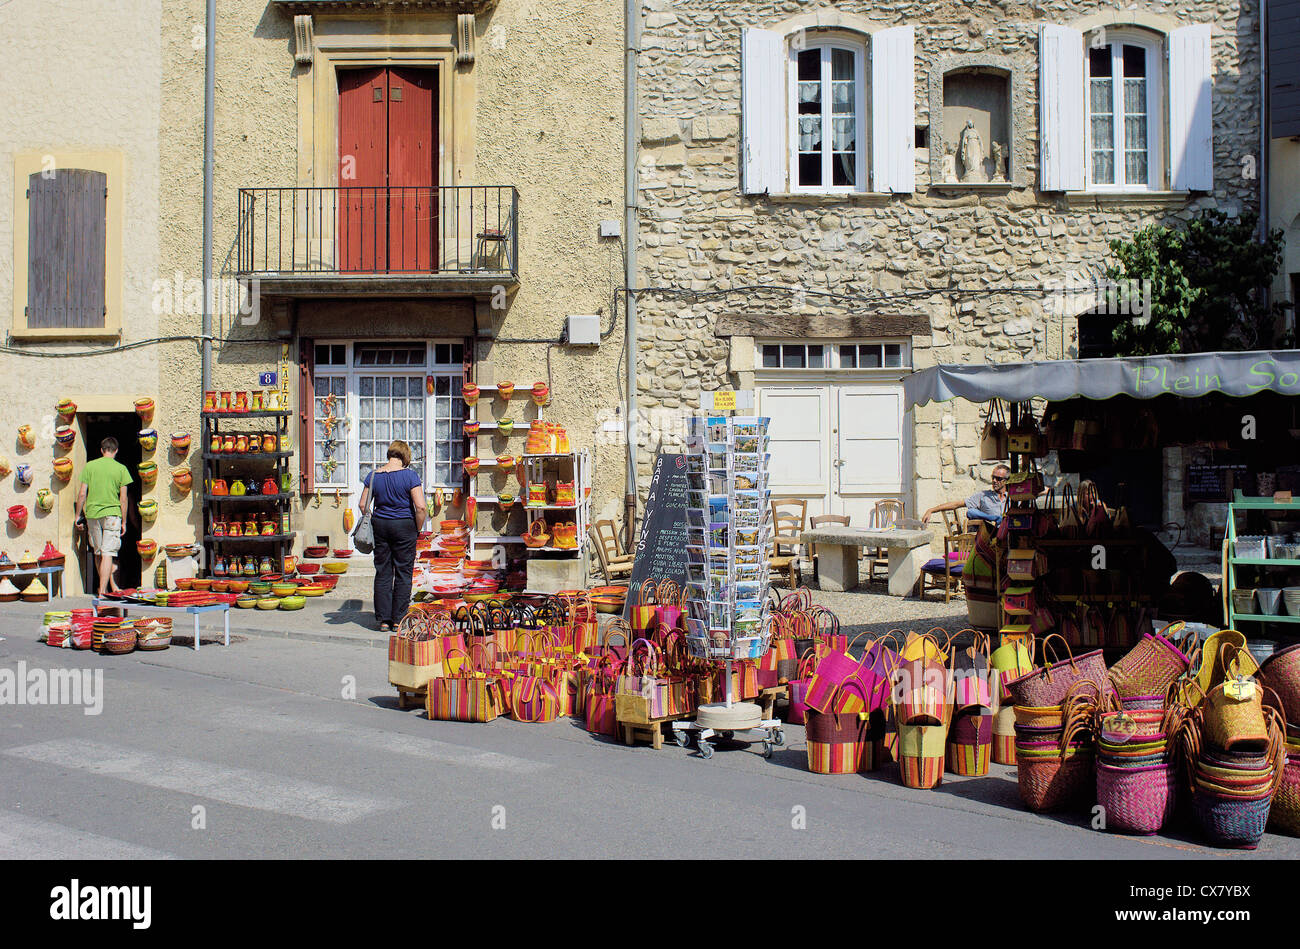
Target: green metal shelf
(1257, 618)
(1239, 500)
(1269, 562)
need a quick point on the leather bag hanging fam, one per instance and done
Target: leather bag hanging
(993, 438)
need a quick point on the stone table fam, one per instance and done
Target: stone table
(838, 550)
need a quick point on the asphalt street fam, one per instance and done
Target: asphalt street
(279, 748)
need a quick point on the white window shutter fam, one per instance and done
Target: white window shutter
(1061, 115)
(762, 99)
(893, 110)
(1191, 116)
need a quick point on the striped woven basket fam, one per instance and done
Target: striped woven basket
(826, 757)
(1053, 783)
(1136, 800)
(1004, 736)
(921, 755)
(1150, 667)
(1232, 822)
(120, 641)
(970, 745)
(1285, 814)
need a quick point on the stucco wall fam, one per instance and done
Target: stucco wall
(941, 254)
(77, 81)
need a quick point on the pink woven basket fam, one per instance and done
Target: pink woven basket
(1136, 800)
(1285, 814)
(1150, 666)
(1281, 673)
(1054, 783)
(1048, 685)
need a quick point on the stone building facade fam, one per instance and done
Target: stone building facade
(902, 247)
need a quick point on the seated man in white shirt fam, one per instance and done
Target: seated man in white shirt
(987, 505)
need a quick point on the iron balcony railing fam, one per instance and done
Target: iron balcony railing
(465, 229)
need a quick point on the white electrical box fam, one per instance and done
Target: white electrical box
(583, 331)
(610, 228)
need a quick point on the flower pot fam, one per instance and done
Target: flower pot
(63, 469)
(505, 389)
(180, 442)
(146, 548)
(67, 410)
(66, 436)
(183, 479)
(148, 471)
(470, 429)
(471, 466)
(505, 425)
(470, 393)
(144, 409)
(541, 393)
(26, 437)
(25, 474)
(45, 500)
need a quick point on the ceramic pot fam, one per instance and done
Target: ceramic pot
(45, 500)
(18, 516)
(471, 466)
(505, 425)
(268, 443)
(241, 402)
(67, 410)
(183, 478)
(219, 488)
(148, 472)
(62, 469)
(469, 392)
(541, 393)
(144, 408)
(270, 487)
(470, 429)
(148, 509)
(180, 442)
(26, 437)
(146, 548)
(148, 439)
(66, 436)
(241, 444)
(505, 389)
(25, 474)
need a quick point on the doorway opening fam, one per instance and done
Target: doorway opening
(125, 427)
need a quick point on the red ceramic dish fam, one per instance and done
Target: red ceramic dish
(343, 552)
(307, 569)
(316, 551)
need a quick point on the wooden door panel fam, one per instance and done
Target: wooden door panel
(412, 168)
(363, 170)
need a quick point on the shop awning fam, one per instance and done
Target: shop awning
(1142, 377)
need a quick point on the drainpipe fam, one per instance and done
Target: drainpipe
(209, 118)
(632, 31)
(1265, 120)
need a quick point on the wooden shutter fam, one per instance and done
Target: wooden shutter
(66, 226)
(1060, 109)
(893, 109)
(363, 167)
(307, 415)
(1191, 117)
(762, 99)
(412, 151)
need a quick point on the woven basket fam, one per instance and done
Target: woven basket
(1284, 816)
(970, 745)
(832, 758)
(1143, 703)
(921, 752)
(1232, 822)
(1150, 667)
(1030, 717)
(1235, 726)
(834, 741)
(1136, 800)
(1281, 673)
(1049, 685)
(1053, 783)
(1004, 736)
(119, 641)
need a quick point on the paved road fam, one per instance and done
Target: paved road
(262, 738)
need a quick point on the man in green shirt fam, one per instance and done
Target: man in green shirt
(102, 501)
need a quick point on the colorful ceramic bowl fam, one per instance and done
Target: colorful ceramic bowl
(311, 589)
(307, 569)
(505, 389)
(202, 583)
(268, 603)
(238, 586)
(316, 551)
(343, 553)
(180, 442)
(336, 568)
(246, 602)
(293, 602)
(259, 588)
(283, 589)
(185, 583)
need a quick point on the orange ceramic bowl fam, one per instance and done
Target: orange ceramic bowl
(237, 586)
(185, 583)
(202, 583)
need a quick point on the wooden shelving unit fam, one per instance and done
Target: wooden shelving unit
(253, 465)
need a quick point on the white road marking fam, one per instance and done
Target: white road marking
(428, 749)
(254, 789)
(31, 838)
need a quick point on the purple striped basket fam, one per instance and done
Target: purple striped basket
(1285, 815)
(1136, 800)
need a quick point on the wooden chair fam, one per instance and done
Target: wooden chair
(816, 521)
(953, 522)
(615, 566)
(786, 528)
(949, 569)
(885, 513)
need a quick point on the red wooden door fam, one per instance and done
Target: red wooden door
(363, 170)
(412, 154)
(387, 170)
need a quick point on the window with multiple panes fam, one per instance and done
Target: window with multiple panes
(828, 118)
(1123, 89)
(834, 355)
(381, 392)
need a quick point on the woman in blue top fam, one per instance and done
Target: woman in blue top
(399, 514)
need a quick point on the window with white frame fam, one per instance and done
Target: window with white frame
(834, 356)
(370, 394)
(1126, 109)
(828, 134)
(820, 142)
(1124, 101)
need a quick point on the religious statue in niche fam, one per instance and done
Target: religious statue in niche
(949, 162)
(999, 162)
(971, 153)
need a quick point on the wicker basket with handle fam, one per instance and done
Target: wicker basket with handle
(1049, 684)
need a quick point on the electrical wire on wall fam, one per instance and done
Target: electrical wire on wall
(124, 347)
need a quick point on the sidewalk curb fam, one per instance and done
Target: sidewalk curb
(378, 640)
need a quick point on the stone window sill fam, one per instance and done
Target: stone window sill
(866, 198)
(88, 333)
(1112, 199)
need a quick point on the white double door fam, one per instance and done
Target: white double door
(841, 446)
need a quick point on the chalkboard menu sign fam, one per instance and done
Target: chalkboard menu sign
(661, 549)
(1214, 482)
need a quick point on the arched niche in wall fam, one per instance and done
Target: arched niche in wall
(975, 142)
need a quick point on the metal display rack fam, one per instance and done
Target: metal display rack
(572, 466)
(1239, 508)
(215, 463)
(729, 541)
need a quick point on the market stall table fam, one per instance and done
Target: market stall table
(838, 550)
(55, 575)
(195, 611)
